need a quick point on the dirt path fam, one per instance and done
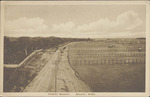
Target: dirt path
(57, 76)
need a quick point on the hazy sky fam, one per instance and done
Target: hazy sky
(94, 21)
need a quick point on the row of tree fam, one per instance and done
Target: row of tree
(16, 49)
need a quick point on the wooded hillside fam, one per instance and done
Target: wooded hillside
(16, 49)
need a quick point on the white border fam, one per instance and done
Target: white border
(147, 3)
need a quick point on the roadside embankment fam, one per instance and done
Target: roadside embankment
(67, 81)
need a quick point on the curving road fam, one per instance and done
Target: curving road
(57, 76)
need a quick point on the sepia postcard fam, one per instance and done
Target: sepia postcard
(75, 48)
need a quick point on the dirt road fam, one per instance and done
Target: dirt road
(57, 76)
(45, 80)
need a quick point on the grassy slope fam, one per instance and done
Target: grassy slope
(113, 78)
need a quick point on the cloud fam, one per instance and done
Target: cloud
(25, 26)
(128, 20)
(101, 25)
(64, 27)
(123, 23)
